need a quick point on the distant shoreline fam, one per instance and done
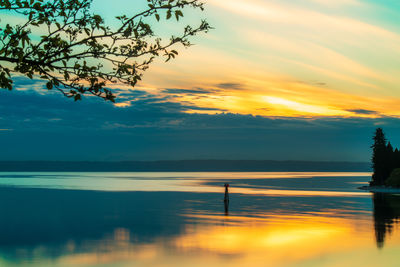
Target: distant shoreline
(185, 166)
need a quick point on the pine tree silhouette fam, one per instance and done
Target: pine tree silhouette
(396, 156)
(389, 160)
(379, 157)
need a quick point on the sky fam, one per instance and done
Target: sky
(284, 79)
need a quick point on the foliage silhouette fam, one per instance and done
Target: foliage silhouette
(379, 154)
(385, 159)
(78, 53)
(394, 179)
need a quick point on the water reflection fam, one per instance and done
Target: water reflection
(386, 214)
(279, 184)
(62, 228)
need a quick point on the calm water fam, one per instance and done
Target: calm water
(179, 219)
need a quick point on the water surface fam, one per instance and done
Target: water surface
(179, 219)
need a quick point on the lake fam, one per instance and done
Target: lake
(180, 219)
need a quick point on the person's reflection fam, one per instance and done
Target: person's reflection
(386, 213)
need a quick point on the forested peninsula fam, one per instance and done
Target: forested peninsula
(385, 162)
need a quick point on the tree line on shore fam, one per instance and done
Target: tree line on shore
(385, 161)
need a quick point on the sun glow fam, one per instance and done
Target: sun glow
(305, 108)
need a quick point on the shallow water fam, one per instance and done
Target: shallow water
(179, 219)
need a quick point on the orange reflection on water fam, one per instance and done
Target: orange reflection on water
(273, 240)
(300, 240)
(284, 240)
(278, 235)
(277, 192)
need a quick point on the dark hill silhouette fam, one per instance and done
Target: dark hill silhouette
(184, 165)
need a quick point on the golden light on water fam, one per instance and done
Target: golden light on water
(276, 234)
(275, 240)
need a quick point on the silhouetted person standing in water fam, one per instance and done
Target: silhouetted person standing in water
(226, 199)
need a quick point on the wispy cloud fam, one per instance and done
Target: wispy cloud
(193, 91)
(232, 86)
(338, 3)
(363, 111)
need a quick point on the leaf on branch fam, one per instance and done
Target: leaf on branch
(49, 85)
(178, 14)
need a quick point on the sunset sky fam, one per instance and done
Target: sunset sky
(288, 58)
(274, 79)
